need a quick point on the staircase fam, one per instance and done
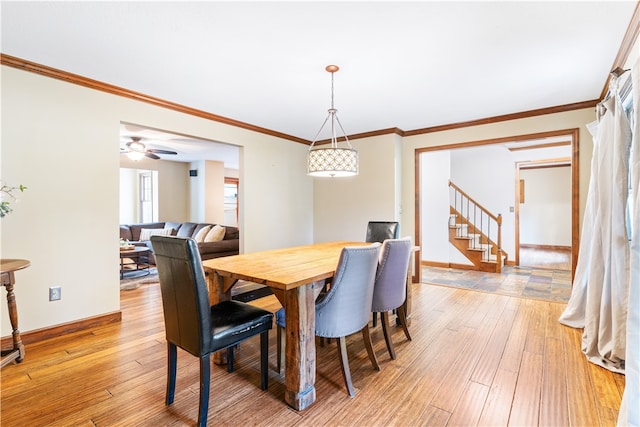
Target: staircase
(475, 232)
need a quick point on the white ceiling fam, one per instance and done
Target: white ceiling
(403, 64)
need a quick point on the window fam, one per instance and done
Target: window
(146, 197)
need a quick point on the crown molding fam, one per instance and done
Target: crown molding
(505, 117)
(23, 64)
(44, 70)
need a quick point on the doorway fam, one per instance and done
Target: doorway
(543, 214)
(569, 137)
(179, 178)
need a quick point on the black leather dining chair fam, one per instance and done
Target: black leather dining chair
(195, 326)
(379, 231)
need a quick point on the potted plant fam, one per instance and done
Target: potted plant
(6, 193)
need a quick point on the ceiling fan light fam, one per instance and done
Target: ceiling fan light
(135, 155)
(137, 146)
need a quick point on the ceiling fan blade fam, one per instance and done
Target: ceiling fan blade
(151, 155)
(161, 151)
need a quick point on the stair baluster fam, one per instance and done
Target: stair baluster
(478, 244)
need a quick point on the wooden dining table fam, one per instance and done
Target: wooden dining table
(295, 275)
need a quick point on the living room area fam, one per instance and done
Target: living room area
(176, 185)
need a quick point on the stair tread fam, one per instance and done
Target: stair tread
(480, 254)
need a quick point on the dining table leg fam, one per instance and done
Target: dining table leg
(300, 348)
(219, 290)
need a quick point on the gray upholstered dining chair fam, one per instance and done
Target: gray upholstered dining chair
(390, 290)
(345, 308)
(379, 231)
(195, 326)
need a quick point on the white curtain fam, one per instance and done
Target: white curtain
(599, 298)
(629, 414)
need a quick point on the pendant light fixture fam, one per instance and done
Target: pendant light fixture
(332, 161)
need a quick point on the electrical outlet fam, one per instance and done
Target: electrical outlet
(55, 293)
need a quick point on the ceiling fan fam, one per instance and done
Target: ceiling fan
(136, 150)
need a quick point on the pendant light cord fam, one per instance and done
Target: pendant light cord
(334, 119)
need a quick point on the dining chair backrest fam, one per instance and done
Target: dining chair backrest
(346, 307)
(390, 290)
(379, 231)
(185, 297)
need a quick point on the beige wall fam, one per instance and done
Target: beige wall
(545, 215)
(343, 206)
(129, 211)
(62, 141)
(173, 186)
(214, 192)
(207, 192)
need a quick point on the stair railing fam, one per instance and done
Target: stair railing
(478, 221)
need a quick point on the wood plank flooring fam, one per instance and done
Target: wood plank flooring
(475, 359)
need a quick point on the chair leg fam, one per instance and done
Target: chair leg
(375, 319)
(280, 350)
(172, 360)
(205, 376)
(344, 362)
(387, 334)
(402, 315)
(324, 340)
(230, 359)
(366, 336)
(264, 360)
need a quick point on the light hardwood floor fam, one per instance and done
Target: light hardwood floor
(475, 359)
(555, 259)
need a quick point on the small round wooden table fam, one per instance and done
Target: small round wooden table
(7, 268)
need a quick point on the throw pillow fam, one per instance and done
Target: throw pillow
(215, 234)
(146, 233)
(200, 235)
